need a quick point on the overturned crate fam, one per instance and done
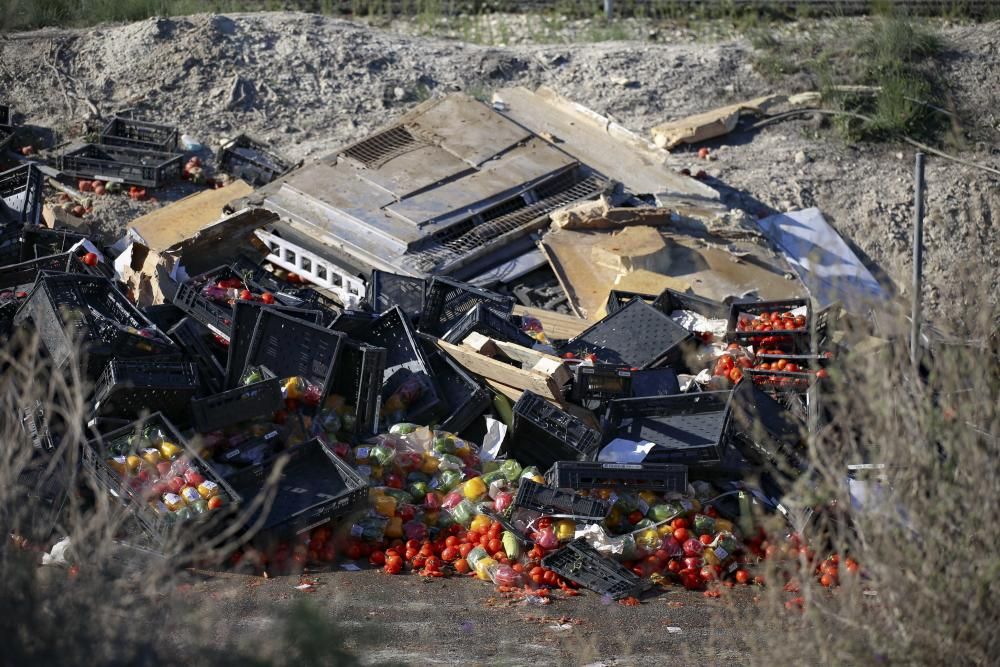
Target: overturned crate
(123, 165)
(636, 335)
(315, 487)
(582, 564)
(252, 161)
(686, 428)
(140, 135)
(72, 309)
(21, 195)
(542, 434)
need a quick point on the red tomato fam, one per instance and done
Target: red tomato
(674, 566)
(822, 374)
(377, 558)
(246, 295)
(706, 539)
(394, 566)
(707, 573)
(267, 298)
(461, 566)
(679, 522)
(354, 551)
(450, 554)
(742, 577)
(735, 375)
(90, 259)
(681, 534)
(494, 545)
(635, 517)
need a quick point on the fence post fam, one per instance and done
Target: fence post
(609, 8)
(918, 256)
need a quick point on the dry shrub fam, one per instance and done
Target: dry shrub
(928, 590)
(124, 606)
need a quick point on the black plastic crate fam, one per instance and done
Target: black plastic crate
(216, 316)
(685, 428)
(126, 165)
(671, 300)
(162, 526)
(10, 243)
(637, 335)
(21, 195)
(584, 475)
(42, 241)
(798, 382)
(358, 379)
(72, 309)
(252, 161)
(483, 320)
(192, 338)
(618, 299)
(127, 388)
(797, 338)
(250, 401)
(542, 434)
(353, 322)
(290, 347)
(404, 362)
(24, 274)
(139, 134)
(771, 432)
(315, 487)
(466, 398)
(164, 315)
(35, 424)
(386, 290)
(582, 564)
(601, 382)
(244, 323)
(6, 116)
(284, 293)
(42, 487)
(545, 500)
(655, 382)
(447, 301)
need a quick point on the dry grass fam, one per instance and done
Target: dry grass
(928, 591)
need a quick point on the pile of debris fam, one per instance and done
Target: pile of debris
(354, 325)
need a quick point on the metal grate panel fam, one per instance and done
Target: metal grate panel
(552, 197)
(378, 149)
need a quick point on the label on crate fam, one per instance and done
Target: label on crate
(357, 530)
(721, 553)
(643, 506)
(613, 498)
(362, 452)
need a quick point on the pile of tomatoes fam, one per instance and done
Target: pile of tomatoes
(773, 321)
(732, 363)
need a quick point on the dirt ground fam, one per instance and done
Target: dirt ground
(308, 83)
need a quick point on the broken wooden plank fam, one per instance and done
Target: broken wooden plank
(496, 370)
(709, 124)
(557, 326)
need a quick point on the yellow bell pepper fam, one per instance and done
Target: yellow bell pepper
(709, 557)
(385, 505)
(169, 450)
(565, 530)
(480, 523)
(664, 530)
(394, 529)
(429, 465)
(483, 566)
(474, 489)
(132, 462)
(649, 497)
(295, 387)
(724, 526)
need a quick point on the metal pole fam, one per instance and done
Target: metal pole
(609, 7)
(918, 256)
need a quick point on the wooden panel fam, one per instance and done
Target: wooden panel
(498, 371)
(556, 325)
